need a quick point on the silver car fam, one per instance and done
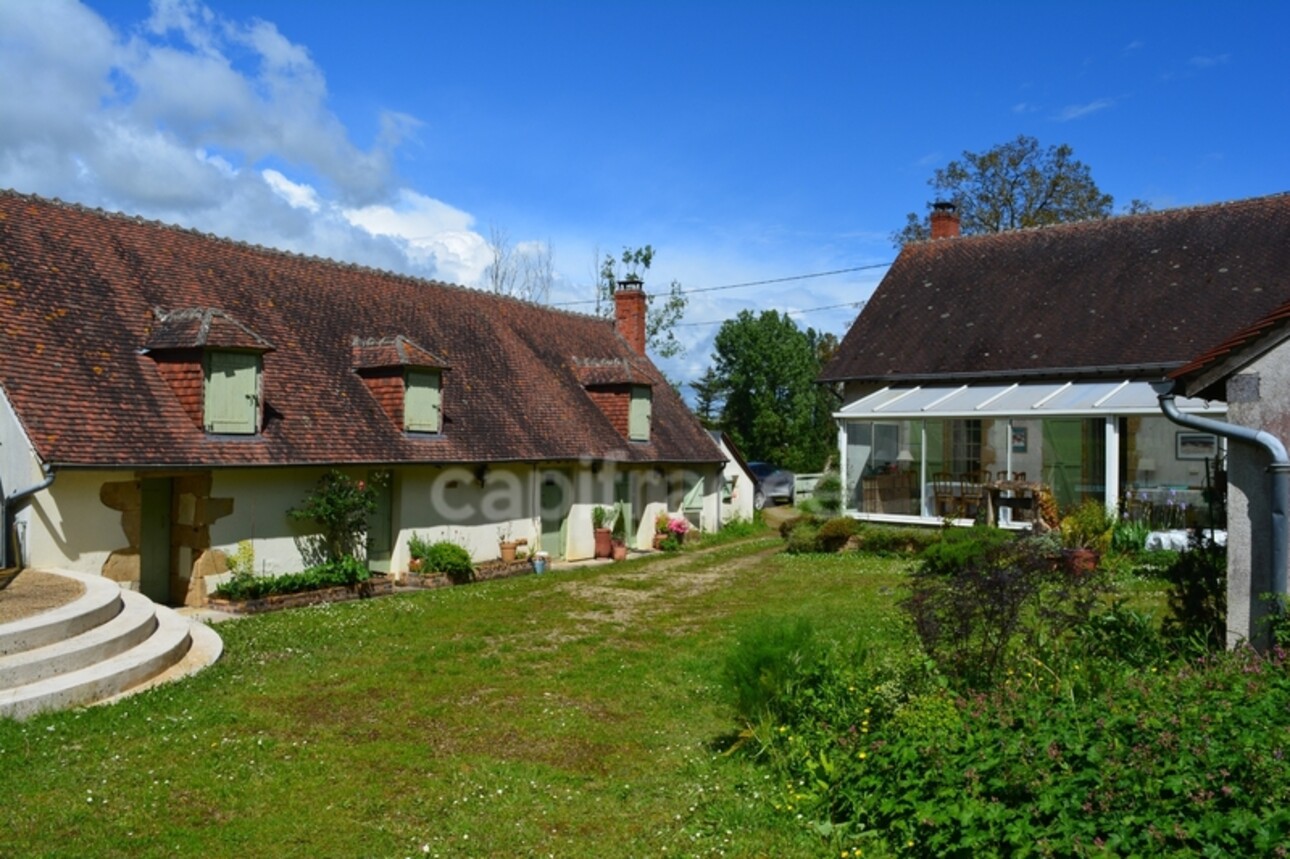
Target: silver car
(773, 484)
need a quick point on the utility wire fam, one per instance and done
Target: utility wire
(855, 304)
(749, 283)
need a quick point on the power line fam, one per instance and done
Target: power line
(750, 283)
(856, 304)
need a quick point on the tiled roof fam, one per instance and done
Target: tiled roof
(398, 351)
(1203, 375)
(79, 290)
(197, 327)
(1129, 296)
(613, 371)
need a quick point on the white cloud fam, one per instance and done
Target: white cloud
(221, 125)
(433, 231)
(298, 195)
(1079, 111)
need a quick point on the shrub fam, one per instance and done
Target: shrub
(1088, 526)
(339, 505)
(346, 571)
(1197, 596)
(888, 540)
(803, 538)
(449, 558)
(828, 493)
(418, 547)
(834, 534)
(978, 609)
(956, 548)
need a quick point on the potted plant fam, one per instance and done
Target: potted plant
(507, 546)
(418, 551)
(660, 529)
(1086, 534)
(601, 531)
(618, 533)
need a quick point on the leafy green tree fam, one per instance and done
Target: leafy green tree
(662, 312)
(708, 395)
(1013, 185)
(766, 367)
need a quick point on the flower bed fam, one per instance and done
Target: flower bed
(378, 585)
(483, 572)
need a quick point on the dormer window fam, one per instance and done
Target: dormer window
(213, 363)
(232, 401)
(623, 390)
(406, 379)
(422, 401)
(641, 413)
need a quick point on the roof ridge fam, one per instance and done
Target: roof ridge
(1086, 222)
(314, 258)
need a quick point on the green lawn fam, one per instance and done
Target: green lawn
(571, 714)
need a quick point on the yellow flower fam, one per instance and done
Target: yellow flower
(862, 755)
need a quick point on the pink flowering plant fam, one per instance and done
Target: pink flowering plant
(678, 526)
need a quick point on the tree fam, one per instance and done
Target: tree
(709, 393)
(766, 367)
(522, 271)
(1012, 186)
(662, 312)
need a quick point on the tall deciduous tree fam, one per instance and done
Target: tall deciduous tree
(1013, 185)
(765, 366)
(522, 271)
(662, 312)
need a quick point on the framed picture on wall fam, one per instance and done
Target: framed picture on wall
(1020, 437)
(1195, 445)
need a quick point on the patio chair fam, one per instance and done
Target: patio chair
(946, 499)
(973, 491)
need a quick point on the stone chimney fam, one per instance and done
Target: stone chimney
(945, 220)
(629, 311)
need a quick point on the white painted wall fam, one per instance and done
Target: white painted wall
(67, 527)
(19, 465)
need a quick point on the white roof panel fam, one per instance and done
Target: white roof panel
(1030, 399)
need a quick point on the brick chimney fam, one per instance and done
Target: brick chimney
(629, 311)
(945, 220)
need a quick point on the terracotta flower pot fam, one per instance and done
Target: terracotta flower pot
(508, 550)
(1080, 562)
(604, 542)
(619, 550)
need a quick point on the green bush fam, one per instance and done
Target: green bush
(1189, 761)
(981, 609)
(1198, 594)
(828, 493)
(1130, 536)
(959, 547)
(339, 506)
(449, 558)
(803, 538)
(834, 534)
(346, 571)
(889, 540)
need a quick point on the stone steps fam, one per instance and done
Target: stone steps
(105, 644)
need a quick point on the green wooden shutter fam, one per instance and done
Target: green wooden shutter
(694, 498)
(638, 422)
(421, 401)
(232, 392)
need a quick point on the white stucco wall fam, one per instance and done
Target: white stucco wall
(19, 465)
(66, 525)
(1259, 398)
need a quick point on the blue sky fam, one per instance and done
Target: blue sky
(745, 142)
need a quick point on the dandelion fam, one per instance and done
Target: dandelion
(862, 755)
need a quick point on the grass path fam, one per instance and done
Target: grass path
(572, 714)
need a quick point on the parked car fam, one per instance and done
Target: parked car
(773, 484)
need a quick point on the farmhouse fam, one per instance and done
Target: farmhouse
(166, 394)
(1027, 357)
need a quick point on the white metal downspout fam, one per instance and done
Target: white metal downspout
(1279, 471)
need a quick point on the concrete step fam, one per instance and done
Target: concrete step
(121, 673)
(99, 604)
(135, 622)
(106, 644)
